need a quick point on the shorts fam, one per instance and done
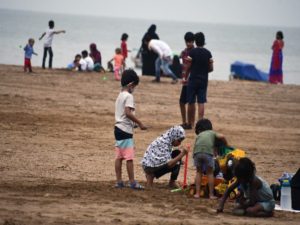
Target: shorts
(27, 63)
(204, 160)
(183, 95)
(196, 88)
(124, 146)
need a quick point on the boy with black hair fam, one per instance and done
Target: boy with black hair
(125, 122)
(189, 42)
(200, 63)
(49, 33)
(203, 154)
(89, 61)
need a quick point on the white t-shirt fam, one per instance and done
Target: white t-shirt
(160, 47)
(83, 64)
(89, 63)
(125, 99)
(49, 37)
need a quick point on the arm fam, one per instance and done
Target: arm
(211, 65)
(222, 137)
(187, 66)
(42, 36)
(59, 31)
(254, 186)
(226, 195)
(129, 114)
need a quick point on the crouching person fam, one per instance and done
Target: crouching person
(159, 159)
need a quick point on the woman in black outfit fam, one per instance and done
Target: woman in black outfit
(148, 57)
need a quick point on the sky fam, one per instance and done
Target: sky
(278, 13)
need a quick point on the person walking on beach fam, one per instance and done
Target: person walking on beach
(124, 49)
(125, 123)
(189, 42)
(28, 54)
(199, 64)
(118, 63)
(49, 33)
(164, 58)
(276, 74)
(159, 159)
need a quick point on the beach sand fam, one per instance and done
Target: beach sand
(57, 147)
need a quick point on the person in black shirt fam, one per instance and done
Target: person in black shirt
(200, 63)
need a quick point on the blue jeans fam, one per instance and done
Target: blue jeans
(163, 64)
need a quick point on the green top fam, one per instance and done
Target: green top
(205, 142)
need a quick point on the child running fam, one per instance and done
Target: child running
(256, 195)
(28, 54)
(204, 154)
(125, 122)
(119, 63)
(159, 158)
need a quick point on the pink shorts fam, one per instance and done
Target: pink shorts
(127, 154)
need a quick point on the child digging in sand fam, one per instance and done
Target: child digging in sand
(159, 158)
(256, 195)
(125, 122)
(204, 154)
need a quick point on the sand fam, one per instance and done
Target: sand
(57, 147)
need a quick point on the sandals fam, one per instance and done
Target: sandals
(186, 126)
(119, 184)
(136, 186)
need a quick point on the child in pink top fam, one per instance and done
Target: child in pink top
(119, 63)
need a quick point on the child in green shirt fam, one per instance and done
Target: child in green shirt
(203, 154)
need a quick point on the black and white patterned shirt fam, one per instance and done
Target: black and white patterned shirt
(159, 151)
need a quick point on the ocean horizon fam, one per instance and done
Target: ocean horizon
(228, 43)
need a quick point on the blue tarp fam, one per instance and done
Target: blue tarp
(247, 71)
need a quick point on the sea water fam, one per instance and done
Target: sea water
(228, 43)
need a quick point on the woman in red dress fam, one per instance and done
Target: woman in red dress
(275, 76)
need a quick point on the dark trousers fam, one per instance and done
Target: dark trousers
(164, 169)
(47, 49)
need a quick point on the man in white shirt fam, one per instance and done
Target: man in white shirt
(164, 58)
(48, 42)
(88, 60)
